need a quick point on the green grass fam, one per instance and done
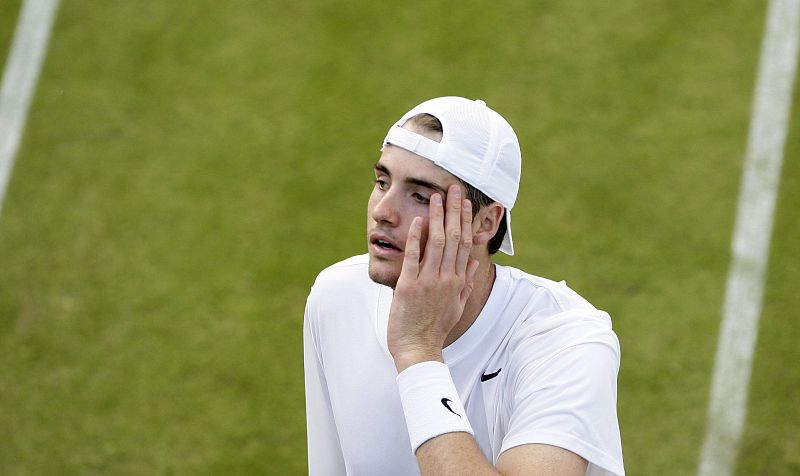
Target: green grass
(188, 169)
(9, 13)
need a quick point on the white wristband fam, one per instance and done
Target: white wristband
(430, 402)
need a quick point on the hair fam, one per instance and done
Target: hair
(427, 123)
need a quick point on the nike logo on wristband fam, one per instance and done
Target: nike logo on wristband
(485, 377)
(444, 402)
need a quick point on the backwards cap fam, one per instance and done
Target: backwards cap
(478, 146)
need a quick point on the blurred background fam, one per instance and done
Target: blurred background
(189, 167)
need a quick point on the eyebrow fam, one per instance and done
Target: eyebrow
(414, 180)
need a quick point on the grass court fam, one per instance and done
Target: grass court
(187, 169)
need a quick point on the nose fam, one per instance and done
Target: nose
(384, 208)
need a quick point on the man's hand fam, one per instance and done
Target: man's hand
(433, 288)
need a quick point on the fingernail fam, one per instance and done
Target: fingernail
(456, 192)
(436, 199)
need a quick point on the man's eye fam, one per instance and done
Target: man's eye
(420, 198)
(381, 184)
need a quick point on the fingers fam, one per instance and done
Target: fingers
(449, 233)
(412, 251)
(469, 280)
(466, 238)
(472, 268)
(436, 237)
(452, 229)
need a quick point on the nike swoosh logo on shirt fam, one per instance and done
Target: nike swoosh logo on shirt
(485, 377)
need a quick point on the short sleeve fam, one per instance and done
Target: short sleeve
(570, 401)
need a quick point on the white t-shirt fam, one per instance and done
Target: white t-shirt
(556, 355)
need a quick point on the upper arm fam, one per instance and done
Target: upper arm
(568, 403)
(540, 460)
(324, 450)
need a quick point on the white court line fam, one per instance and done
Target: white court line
(751, 238)
(20, 77)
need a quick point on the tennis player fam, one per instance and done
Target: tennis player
(425, 357)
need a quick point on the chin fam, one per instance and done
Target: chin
(383, 273)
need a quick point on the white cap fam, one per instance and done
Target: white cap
(478, 146)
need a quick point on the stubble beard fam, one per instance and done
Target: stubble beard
(379, 274)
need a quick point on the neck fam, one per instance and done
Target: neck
(484, 280)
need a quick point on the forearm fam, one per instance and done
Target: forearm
(453, 454)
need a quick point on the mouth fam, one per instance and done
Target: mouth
(383, 246)
(386, 245)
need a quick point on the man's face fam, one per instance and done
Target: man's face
(404, 183)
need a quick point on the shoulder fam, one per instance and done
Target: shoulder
(551, 295)
(341, 276)
(552, 317)
(346, 265)
(341, 283)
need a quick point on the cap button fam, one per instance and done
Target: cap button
(480, 102)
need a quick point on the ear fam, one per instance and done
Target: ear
(486, 223)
